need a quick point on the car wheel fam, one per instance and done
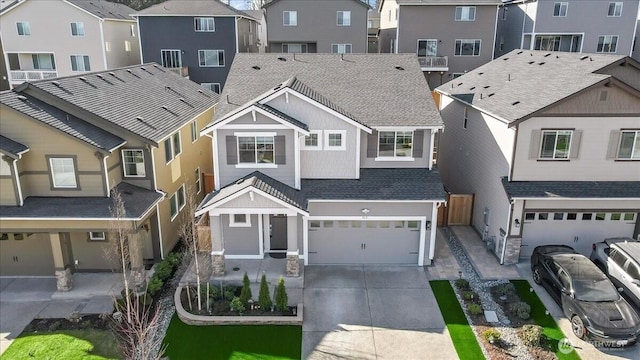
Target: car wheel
(537, 277)
(577, 326)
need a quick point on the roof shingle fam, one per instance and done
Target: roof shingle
(192, 8)
(572, 189)
(105, 9)
(13, 148)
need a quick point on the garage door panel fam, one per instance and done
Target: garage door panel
(26, 255)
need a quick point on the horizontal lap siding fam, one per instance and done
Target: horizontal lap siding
(240, 240)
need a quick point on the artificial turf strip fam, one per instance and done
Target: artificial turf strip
(249, 342)
(89, 344)
(463, 338)
(539, 316)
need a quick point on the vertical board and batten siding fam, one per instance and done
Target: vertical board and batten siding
(605, 100)
(473, 161)
(591, 163)
(240, 240)
(369, 151)
(245, 201)
(116, 33)
(321, 164)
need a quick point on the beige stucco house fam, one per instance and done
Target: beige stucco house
(68, 143)
(46, 39)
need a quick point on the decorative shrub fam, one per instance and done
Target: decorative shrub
(521, 309)
(154, 285)
(214, 292)
(474, 309)
(264, 298)
(174, 259)
(237, 305)
(229, 295)
(163, 270)
(491, 335)
(221, 306)
(462, 284)
(282, 300)
(468, 295)
(245, 294)
(532, 335)
(507, 289)
(230, 287)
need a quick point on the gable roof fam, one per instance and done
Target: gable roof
(361, 2)
(283, 116)
(522, 82)
(105, 9)
(192, 8)
(372, 89)
(62, 121)
(449, 2)
(12, 148)
(146, 100)
(572, 189)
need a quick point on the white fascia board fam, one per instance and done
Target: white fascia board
(259, 211)
(376, 201)
(501, 119)
(81, 9)
(365, 218)
(572, 199)
(408, 128)
(247, 110)
(209, 207)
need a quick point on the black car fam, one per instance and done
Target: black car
(586, 296)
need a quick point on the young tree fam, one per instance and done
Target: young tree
(264, 298)
(245, 294)
(139, 338)
(119, 232)
(282, 300)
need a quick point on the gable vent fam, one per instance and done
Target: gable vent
(515, 103)
(255, 67)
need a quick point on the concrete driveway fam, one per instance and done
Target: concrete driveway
(585, 349)
(372, 312)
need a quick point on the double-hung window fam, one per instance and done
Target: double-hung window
(615, 9)
(290, 18)
(24, 28)
(467, 47)
(294, 48)
(428, 47)
(211, 58)
(341, 48)
(393, 144)
(547, 43)
(629, 148)
(133, 160)
(171, 58)
(465, 13)
(63, 172)
(335, 140)
(177, 202)
(172, 147)
(607, 43)
(344, 18)
(313, 141)
(256, 150)
(198, 181)
(204, 24)
(555, 144)
(80, 63)
(43, 61)
(560, 9)
(77, 29)
(194, 131)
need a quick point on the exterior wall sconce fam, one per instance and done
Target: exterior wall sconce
(365, 212)
(517, 222)
(428, 224)
(145, 227)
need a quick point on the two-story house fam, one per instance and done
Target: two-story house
(373, 27)
(309, 162)
(204, 37)
(46, 39)
(261, 35)
(317, 26)
(567, 25)
(68, 143)
(549, 144)
(449, 37)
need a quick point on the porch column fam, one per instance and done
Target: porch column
(293, 254)
(217, 245)
(138, 273)
(64, 278)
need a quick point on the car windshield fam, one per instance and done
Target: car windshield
(595, 290)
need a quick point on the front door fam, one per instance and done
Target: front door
(278, 233)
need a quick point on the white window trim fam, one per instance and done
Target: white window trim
(343, 136)
(338, 17)
(184, 198)
(209, 87)
(170, 140)
(97, 238)
(603, 43)
(23, 22)
(312, 148)
(240, 165)
(463, 40)
(198, 181)
(171, 143)
(75, 173)
(289, 11)
(233, 223)
(224, 60)
(82, 56)
(195, 22)
(566, 12)
(345, 48)
(77, 22)
(174, 198)
(124, 165)
(463, 19)
(614, 11)
(178, 51)
(195, 134)
(635, 140)
(555, 147)
(394, 157)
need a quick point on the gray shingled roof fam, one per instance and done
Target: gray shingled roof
(282, 115)
(522, 82)
(105, 9)
(379, 184)
(61, 120)
(133, 98)
(449, 2)
(12, 148)
(361, 2)
(374, 89)
(572, 189)
(137, 201)
(261, 182)
(191, 8)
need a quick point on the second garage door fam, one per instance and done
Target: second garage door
(363, 242)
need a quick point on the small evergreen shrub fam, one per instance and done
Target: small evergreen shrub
(154, 285)
(521, 309)
(163, 270)
(264, 298)
(491, 335)
(245, 294)
(237, 305)
(507, 289)
(229, 295)
(282, 300)
(468, 295)
(532, 335)
(214, 292)
(462, 284)
(474, 309)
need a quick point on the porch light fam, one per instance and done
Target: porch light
(365, 211)
(428, 225)
(517, 222)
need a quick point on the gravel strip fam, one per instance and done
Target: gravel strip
(482, 288)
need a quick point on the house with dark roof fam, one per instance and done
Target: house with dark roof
(310, 164)
(203, 39)
(46, 39)
(69, 144)
(549, 145)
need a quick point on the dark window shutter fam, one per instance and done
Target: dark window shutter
(372, 144)
(614, 142)
(281, 149)
(575, 144)
(418, 143)
(534, 147)
(232, 147)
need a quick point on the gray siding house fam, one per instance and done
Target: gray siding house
(303, 170)
(317, 26)
(556, 169)
(196, 38)
(449, 37)
(569, 25)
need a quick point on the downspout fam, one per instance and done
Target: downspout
(17, 177)
(102, 46)
(506, 236)
(495, 32)
(106, 176)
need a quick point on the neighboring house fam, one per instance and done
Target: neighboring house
(197, 38)
(450, 37)
(585, 26)
(260, 17)
(317, 26)
(47, 39)
(308, 161)
(68, 143)
(373, 27)
(549, 144)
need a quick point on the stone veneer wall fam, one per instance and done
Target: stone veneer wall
(512, 253)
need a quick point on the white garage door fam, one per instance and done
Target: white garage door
(576, 229)
(26, 254)
(363, 242)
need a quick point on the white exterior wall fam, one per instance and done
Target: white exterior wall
(116, 33)
(387, 21)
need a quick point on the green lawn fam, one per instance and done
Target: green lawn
(551, 329)
(461, 334)
(232, 341)
(86, 344)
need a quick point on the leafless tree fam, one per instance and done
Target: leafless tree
(138, 337)
(256, 4)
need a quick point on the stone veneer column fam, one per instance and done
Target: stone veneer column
(293, 255)
(64, 278)
(217, 246)
(512, 251)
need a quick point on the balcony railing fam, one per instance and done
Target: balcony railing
(31, 75)
(182, 71)
(435, 63)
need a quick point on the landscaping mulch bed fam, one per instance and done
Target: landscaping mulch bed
(221, 307)
(98, 322)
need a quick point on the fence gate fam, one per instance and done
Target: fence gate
(460, 207)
